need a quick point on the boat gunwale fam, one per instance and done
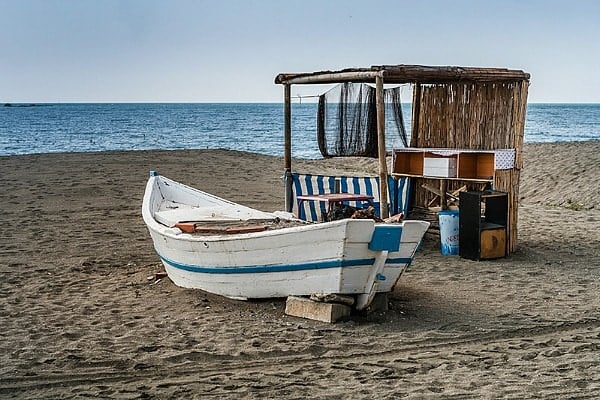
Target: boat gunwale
(176, 233)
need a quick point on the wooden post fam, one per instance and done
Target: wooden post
(443, 196)
(287, 157)
(381, 150)
(287, 126)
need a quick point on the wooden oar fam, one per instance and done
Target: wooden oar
(199, 227)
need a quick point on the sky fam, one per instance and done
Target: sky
(231, 51)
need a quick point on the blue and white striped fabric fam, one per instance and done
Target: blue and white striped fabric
(306, 184)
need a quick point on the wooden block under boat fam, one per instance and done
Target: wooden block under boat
(306, 308)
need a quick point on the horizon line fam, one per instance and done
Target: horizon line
(33, 103)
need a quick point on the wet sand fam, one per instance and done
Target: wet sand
(80, 319)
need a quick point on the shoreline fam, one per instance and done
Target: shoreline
(81, 319)
(580, 142)
(539, 170)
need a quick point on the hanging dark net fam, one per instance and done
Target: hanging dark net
(347, 120)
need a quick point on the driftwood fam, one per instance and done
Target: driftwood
(368, 213)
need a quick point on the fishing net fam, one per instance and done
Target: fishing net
(347, 120)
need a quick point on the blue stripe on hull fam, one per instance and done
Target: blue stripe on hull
(398, 260)
(253, 269)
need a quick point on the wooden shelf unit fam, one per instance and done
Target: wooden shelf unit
(470, 165)
(476, 165)
(408, 163)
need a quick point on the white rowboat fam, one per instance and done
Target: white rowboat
(349, 256)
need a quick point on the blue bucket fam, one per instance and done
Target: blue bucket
(449, 231)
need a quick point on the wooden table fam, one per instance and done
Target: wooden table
(333, 199)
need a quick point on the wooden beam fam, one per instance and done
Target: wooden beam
(327, 77)
(383, 187)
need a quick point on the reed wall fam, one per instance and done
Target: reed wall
(473, 115)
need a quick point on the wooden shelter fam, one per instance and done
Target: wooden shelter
(453, 107)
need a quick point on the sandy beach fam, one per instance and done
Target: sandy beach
(80, 319)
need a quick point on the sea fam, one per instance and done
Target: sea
(253, 127)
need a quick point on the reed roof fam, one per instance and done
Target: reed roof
(401, 73)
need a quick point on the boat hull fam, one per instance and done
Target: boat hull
(332, 257)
